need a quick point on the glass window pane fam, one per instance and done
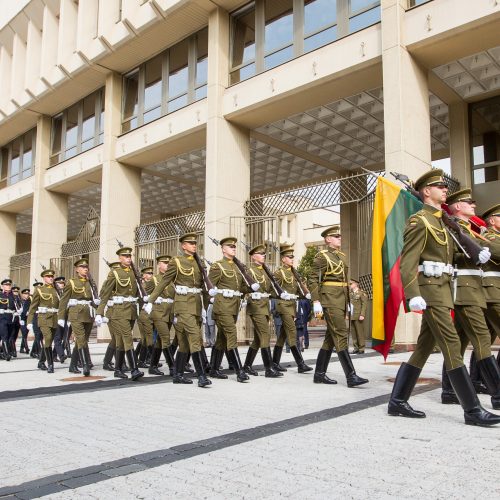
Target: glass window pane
(101, 117)
(319, 14)
(5, 163)
(357, 5)
(152, 86)
(279, 24)
(178, 103)
(149, 116)
(243, 42)
(87, 144)
(364, 20)
(131, 86)
(71, 127)
(178, 70)
(56, 134)
(129, 125)
(28, 151)
(201, 58)
(278, 58)
(200, 93)
(88, 123)
(322, 38)
(15, 162)
(242, 74)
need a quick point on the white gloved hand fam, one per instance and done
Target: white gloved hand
(60, 322)
(97, 302)
(212, 300)
(484, 255)
(98, 320)
(255, 286)
(30, 326)
(105, 320)
(175, 320)
(213, 291)
(417, 304)
(317, 308)
(68, 323)
(148, 307)
(285, 296)
(145, 298)
(350, 308)
(308, 296)
(21, 322)
(243, 304)
(72, 302)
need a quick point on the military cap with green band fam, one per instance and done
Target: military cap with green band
(286, 251)
(124, 251)
(494, 210)
(47, 272)
(462, 195)
(164, 258)
(260, 248)
(229, 240)
(188, 238)
(433, 177)
(331, 231)
(81, 263)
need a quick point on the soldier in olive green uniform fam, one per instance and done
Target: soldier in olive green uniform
(359, 302)
(470, 304)
(259, 312)
(145, 347)
(287, 309)
(76, 306)
(162, 317)
(45, 304)
(329, 289)
(121, 288)
(107, 363)
(426, 272)
(186, 276)
(226, 277)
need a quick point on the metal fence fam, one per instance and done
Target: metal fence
(20, 269)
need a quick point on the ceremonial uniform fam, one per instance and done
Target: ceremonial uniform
(145, 347)
(426, 273)
(7, 311)
(17, 325)
(23, 316)
(359, 303)
(107, 362)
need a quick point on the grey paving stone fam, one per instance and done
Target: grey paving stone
(123, 471)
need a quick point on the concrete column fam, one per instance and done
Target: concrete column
(228, 146)
(119, 218)
(50, 210)
(8, 237)
(460, 154)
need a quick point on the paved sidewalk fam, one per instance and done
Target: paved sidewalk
(264, 439)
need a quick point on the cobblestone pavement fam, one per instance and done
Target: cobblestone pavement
(264, 439)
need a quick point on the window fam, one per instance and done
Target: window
(78, 128)
(267, 33)
(167, 82)
(18, 159)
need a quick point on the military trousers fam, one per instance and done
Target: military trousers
(261, 335)
(123, 333)
(336, 330)
(5, 330)
(188, 332)
(58, 341)
(145, 328)
(227, 335)
(493, 319)
(288, 331)
(163, 329)
(473, 325)
(48, 335)
(358, 334)
(437, 328)
(81, 332)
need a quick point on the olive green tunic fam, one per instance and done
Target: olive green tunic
(144, 321)
(359, 302)
(162, 314)
(45, 296)
(491, 284)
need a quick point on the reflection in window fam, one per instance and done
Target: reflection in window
(363, 13)
(320, 19)
(243, 46)
(18, 159)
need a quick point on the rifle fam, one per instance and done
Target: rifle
(467, 245)
(303, 289)
(137, 276)
(249, 281)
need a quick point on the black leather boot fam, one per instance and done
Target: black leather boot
(448, 396)
(204, 360)
(491, 375)
(50, 360)
(297, 356)
(169, 359)
(403, 386)
(353, 380)
(188, 368)
(142, 357)
(474, 413)
(119, 359)
(41, 360)
(149, 354)
(215, 361)
(320, 376)
(475, 375)
(251, 354)
(135, 373)
(203, 381)
(180, 363)
(276, 359)
(234, 358)
(108, 356)
(268, 363)
(73, 364)
(6, 352)
(138, 348)
(155, 358)
(85, 361)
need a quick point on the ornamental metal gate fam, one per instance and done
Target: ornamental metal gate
(20, 269)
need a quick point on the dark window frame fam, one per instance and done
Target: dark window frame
(24, 172)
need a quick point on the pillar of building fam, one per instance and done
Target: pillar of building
(8, 246)
(50, 210)
(228, 146)
(406, 120)
(460, 155)
(121, 188)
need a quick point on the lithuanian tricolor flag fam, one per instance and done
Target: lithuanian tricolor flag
(393, 206)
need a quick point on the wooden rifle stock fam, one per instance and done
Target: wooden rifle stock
(276, 286)
(206, 280)
(246, 277)
(303, 289)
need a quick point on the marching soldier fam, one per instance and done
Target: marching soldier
(7, 311)
(186, 276)
(329, 289)
(226, 277)
(259, 311)
(145, 346)
(287, 309)
(121, 289)
(25, 303)
(16, 325)
(76, 306)
(426, 270)
(58, 351)
(37, 346)
(359, 302)
(45, 304)
(470, 303)
(107, 363)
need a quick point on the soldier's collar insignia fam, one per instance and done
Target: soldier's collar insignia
(438, 214)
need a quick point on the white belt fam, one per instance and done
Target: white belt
(74, 302)
(469, 272)
(259, 295)
(435, 269)
(44, 310)
(226, 292)
(161, 300)
(109, 303)
(7, 311)
(119, 299)
(184, 290)
(491, 274)
(291, 296)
